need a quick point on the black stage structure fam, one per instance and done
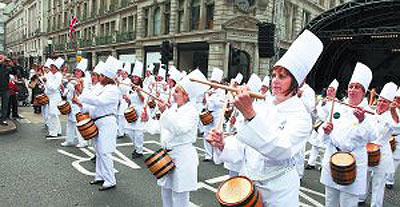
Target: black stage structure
(365, 31)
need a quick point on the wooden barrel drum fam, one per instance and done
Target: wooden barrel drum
(130, 115)
(42, 99)
(392, 142)
(343, 168)
(206, 117)
(239, 191)
(87, 128)
(160, 163)
(374, 154)
(152, 104)
(64, 107)
(81, 116)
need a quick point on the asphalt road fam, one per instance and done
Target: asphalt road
(36, 171)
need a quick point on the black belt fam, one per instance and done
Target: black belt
(100, 117)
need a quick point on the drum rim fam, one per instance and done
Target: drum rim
(341, 152)
(248, 196)
(62, 103)
(152, 155)
(374, 145)
(87, 120)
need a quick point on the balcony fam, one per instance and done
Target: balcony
(87, 43)
(104, 40)
(126, 36)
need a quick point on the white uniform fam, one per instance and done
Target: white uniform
(124, 87)
(52, 91)
(384, 126)
(270, 143)
(351, 136)
(135, 130)
(178, 133)
(390, 177)
(104, 103)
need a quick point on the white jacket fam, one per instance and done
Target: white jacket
(52, 90)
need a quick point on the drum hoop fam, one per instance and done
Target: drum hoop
(162, 156)
(341, 152)
(154, 154)
(248, 196)
(165, 173)
(163, 167)
(374, 145)
(84, 121)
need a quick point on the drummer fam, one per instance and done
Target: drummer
(174, 77)
(136, 99)
(178, 134)
(273, 134)
(265, 87)
(349, 131)
(45, 73)
(124, 87)
(385, 122)
(390, 177)
(104, 114)
(149, 79)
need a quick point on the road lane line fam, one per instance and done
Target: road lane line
(71, 155)
(208, 187)
(217, 179)
(312, 191)
(311, 200)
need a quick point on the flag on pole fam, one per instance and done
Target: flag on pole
(74, 23)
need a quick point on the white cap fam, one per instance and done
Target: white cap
(362, 75)
(194, 89)
(48, 63)
(389, 91)
(174, 74)
(334, 84)
(59, 62)
(138, 69)
(151, 68)
(301, 55)
(216, 75)
(239, 78)
(82, 65)
(161, 72)
(127, 68)
(254, 83)
(99, 68)
(110, 70)
(265, 81)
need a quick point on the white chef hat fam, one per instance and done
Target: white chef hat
(48, 63)
(254, 83)
(194, 89)
(301, 55)
(174, 74)
(362, 75)
(58, 62)
(127, 68)
(239, 78)
(265, 81)
(110, 70)
(389, 91)
(151, 68)
(82, 65)
(398, 92)
(138, 69)
(334, 84)
(216, 75)
(119, 65)
(161, 72)
(184, 73)
(99, 68)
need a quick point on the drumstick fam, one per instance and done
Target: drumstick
(379, 96)
(330, 117)
(221, 117)
(216, 85)
(147, 93)
(352, 106)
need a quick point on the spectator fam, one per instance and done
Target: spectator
(13, 102)
(37, 88)
(5, 72)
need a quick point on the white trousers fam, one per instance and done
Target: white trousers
(312, 159)
(336, 198)
(45, 113)
(73, 135)
(300, 163)
(375, 181)
(54, 125)
(390, 177)
(282, 191)
(121, 125)
(171, 198)
(207, 146)
(137, 139)
(105, 169)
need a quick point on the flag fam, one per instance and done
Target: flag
(73, 25)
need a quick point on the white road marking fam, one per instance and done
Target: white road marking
(217, 179)
(56, 138)
(311, 200)
(71, 155)
(208, 187)
(312, 191)
(125, 161)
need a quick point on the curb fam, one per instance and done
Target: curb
(12, 129)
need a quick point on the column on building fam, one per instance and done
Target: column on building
(173, 18)
(140, 32)
(150, 21)
(218, 14)
(186, 13)
(162, 19)
(203, 15)
(298, 19)
(216, 56)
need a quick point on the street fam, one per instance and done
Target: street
(36, 171)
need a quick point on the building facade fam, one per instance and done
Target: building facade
(202, 32)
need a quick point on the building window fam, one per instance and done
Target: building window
(130, 24)
(94, 8)
(195, 20)
(146, 22)
(210, 16)
(156, 21)
(306, 17)
(181, 16)
(124, 24)
(167, 17)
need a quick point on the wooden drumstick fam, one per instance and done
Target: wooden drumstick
(147, 93)
(333, 106)
(354, 107)
(231, 89)
(221, 117)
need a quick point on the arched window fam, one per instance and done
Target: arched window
(156, 21)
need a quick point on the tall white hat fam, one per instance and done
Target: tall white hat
(58, 62)
(138, 69)
(265, 81)
(99, 68)
(334, 84)
(48, 63)
(151, 68)
(254, 83)
(119, 65)
(194, 89)
(362, 75)
(174, 74)
(216, 75)
(82, 65)
(302, 55)
(239, 78)
(161, 72)
(110, 69)
(398, 92)
(127, 68)
(389, 91)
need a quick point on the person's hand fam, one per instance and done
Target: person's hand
(233, 120)
(299, 93)
(359, 113)
(126, 98)
(162, 106)
(76, 101)
(328, 127)
(144, 117)
(216, 139)
(244, 103)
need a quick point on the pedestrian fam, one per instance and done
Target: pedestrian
(13, 102)
(5, 72)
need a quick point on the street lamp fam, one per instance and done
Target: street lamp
(49, 44)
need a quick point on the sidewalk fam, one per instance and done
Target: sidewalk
(8, 129)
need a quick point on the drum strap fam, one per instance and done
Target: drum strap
(338, 149)
(100, 117)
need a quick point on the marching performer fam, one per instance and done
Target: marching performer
(390, 177)
(265, 87)
(349, 131)
(45, 73)
(105, 105)
(178, 134)
(385, 122)
(124, 87)
(275, 132)
(149, 79)
(52, 90)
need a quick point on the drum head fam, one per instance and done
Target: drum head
(235, 190)
(61, 103)
(83, 122)
(130, 109)
(372, 147)
(342, 159)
